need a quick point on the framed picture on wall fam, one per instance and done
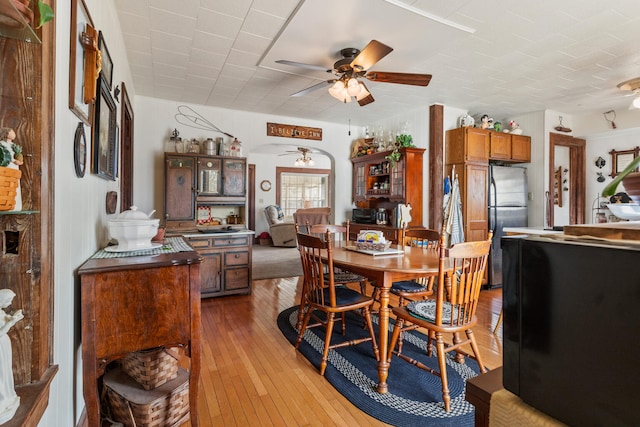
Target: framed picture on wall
(106, 70)
(104, 133)
(79, 19)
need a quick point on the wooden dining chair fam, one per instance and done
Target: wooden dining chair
(452, 311)
(322, 294)
(339, 233)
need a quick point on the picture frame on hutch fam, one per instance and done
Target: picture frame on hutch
(80, 17)
(104, 133)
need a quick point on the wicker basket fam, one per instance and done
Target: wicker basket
(9, 180)
(373, 246)
(164, 406)
(151, 368)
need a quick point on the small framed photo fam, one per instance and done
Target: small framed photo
(106, 70)
(104, 133)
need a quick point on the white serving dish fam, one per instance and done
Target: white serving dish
(628, 211)
(133, 230)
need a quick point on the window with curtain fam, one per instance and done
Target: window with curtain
(302, 188)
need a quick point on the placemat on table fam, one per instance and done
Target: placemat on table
(171, 245)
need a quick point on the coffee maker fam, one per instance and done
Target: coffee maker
(382, 218)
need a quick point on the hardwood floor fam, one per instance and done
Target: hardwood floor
(252, 376)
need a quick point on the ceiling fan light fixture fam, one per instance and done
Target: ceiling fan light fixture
(339, 91)
(635, 104)
(353, 87)
(363, 92)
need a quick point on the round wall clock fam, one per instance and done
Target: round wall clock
(80, 151)
(265, 185)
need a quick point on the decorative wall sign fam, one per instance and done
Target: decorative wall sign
(292, 131)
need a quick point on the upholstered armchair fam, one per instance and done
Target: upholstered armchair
(283, 233)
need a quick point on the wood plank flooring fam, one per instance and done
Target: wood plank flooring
(252, 376)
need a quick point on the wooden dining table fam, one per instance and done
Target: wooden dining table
(383, 270)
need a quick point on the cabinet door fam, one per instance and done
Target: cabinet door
(500, 146)
(209, 176)
(179, 201)
(359, 181)
(233, 172)
(476, 214)
(210, 273)
(521, 148)
(477, 145)
(397, 184)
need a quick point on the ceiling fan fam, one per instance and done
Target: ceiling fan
(634, 86)
(354, 65)
(305, 159)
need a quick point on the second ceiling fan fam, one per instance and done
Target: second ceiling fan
(354, 65)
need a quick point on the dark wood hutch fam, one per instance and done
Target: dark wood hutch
(380, 183)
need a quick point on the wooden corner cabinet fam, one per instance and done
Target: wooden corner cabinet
(27, 105)
(137, 303)
(379, 183)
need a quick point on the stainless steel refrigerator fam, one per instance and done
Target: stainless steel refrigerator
(507, 208)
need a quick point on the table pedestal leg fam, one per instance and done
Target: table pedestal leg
(383, 364)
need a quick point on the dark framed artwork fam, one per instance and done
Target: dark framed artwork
(80, 150)
(106, 70)
(79, 19)
(104, 133)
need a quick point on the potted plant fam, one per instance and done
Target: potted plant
(630, 180)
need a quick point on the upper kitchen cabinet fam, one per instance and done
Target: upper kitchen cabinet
(520, 148)
(467, 144)
(196, 179)
(509, 148)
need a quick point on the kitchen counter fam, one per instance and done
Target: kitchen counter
(529, 231)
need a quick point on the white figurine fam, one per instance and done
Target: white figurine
(9, 400)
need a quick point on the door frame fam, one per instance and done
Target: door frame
(577, 166)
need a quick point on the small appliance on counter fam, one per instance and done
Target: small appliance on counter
(364, 216)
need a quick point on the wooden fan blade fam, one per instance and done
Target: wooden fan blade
(366, 100)
(400, 78)
(312, 88)
(307, 66)
(372, 53)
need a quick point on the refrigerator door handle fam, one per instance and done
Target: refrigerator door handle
(492, 205)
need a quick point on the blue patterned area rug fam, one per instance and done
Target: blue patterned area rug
(414, 397)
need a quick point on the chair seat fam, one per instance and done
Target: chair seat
(344, 296)
(426, 310)
(345, 277)
(408, 286)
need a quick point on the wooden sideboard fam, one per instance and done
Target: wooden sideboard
(136, 303)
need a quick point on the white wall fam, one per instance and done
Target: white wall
(80, 217)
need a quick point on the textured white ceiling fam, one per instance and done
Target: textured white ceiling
(493, 56)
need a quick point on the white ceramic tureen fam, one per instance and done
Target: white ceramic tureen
(133, 229)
